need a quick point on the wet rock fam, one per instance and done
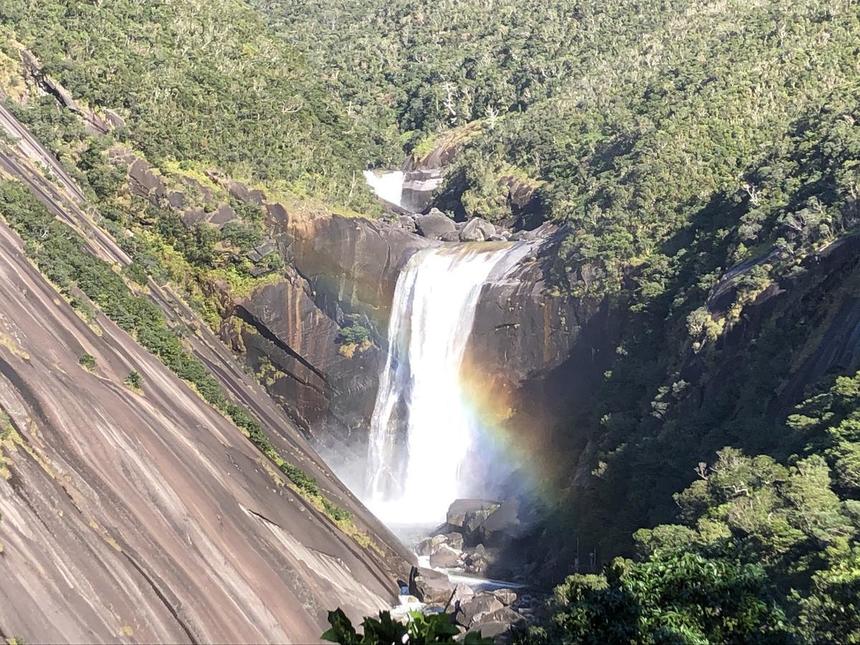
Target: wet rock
(475, 565)
(453, 236)
(477, 560)
(477, 230)
(445, 557)
(435, 224)
(462, 593)
(503, 523)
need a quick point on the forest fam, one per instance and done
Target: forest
(671, 142)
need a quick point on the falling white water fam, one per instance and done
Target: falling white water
(423, 425)
(387, 185)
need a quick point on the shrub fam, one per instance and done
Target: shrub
(134, 380)
(87, 361)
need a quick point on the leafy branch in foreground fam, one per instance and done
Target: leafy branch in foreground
(421, 629)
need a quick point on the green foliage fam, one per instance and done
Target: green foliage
(354, 334)
(669, 598)
(134, 380)
(205, 81)
(414, 67)
(87, 361)
(764, 552)
(639, 121)
(831, 421)
(419, 630)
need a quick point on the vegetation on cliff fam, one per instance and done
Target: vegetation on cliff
(764, 552)
(204, 82)
(61, 255)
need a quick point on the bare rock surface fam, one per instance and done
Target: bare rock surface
(435, 225)
(473, 610)
(477, 230)
(430, 586)
(445, 557)
(150, 513)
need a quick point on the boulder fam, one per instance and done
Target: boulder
(176, 199)
(435, 224)
(407, 223)
(222, 215)
(505, 596)
(477, 230)
(114, 119)
(488, 624)
(472, 611)
(244, 194)
(475, 565)
(427, 546)
(143, 182)
(466, 511)
(455, 540)
(503, 523)
(445, 557)
(476, 561)
(490, 630)
(430, 586)
(452, 236)
(462, 593)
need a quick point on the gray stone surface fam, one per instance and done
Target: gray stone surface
(435, 224)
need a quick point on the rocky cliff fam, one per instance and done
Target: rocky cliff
(144, 514)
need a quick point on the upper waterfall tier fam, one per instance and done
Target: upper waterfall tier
(425, 424)
(387, 185)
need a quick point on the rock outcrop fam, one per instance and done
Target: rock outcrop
(145, 515)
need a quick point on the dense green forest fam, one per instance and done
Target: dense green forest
(201, 82)
(671, 141)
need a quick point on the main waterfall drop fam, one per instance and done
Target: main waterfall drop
(424, 424)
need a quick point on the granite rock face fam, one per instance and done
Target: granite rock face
(147, 515)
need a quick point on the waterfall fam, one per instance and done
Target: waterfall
(386, 185)
(423, 424)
